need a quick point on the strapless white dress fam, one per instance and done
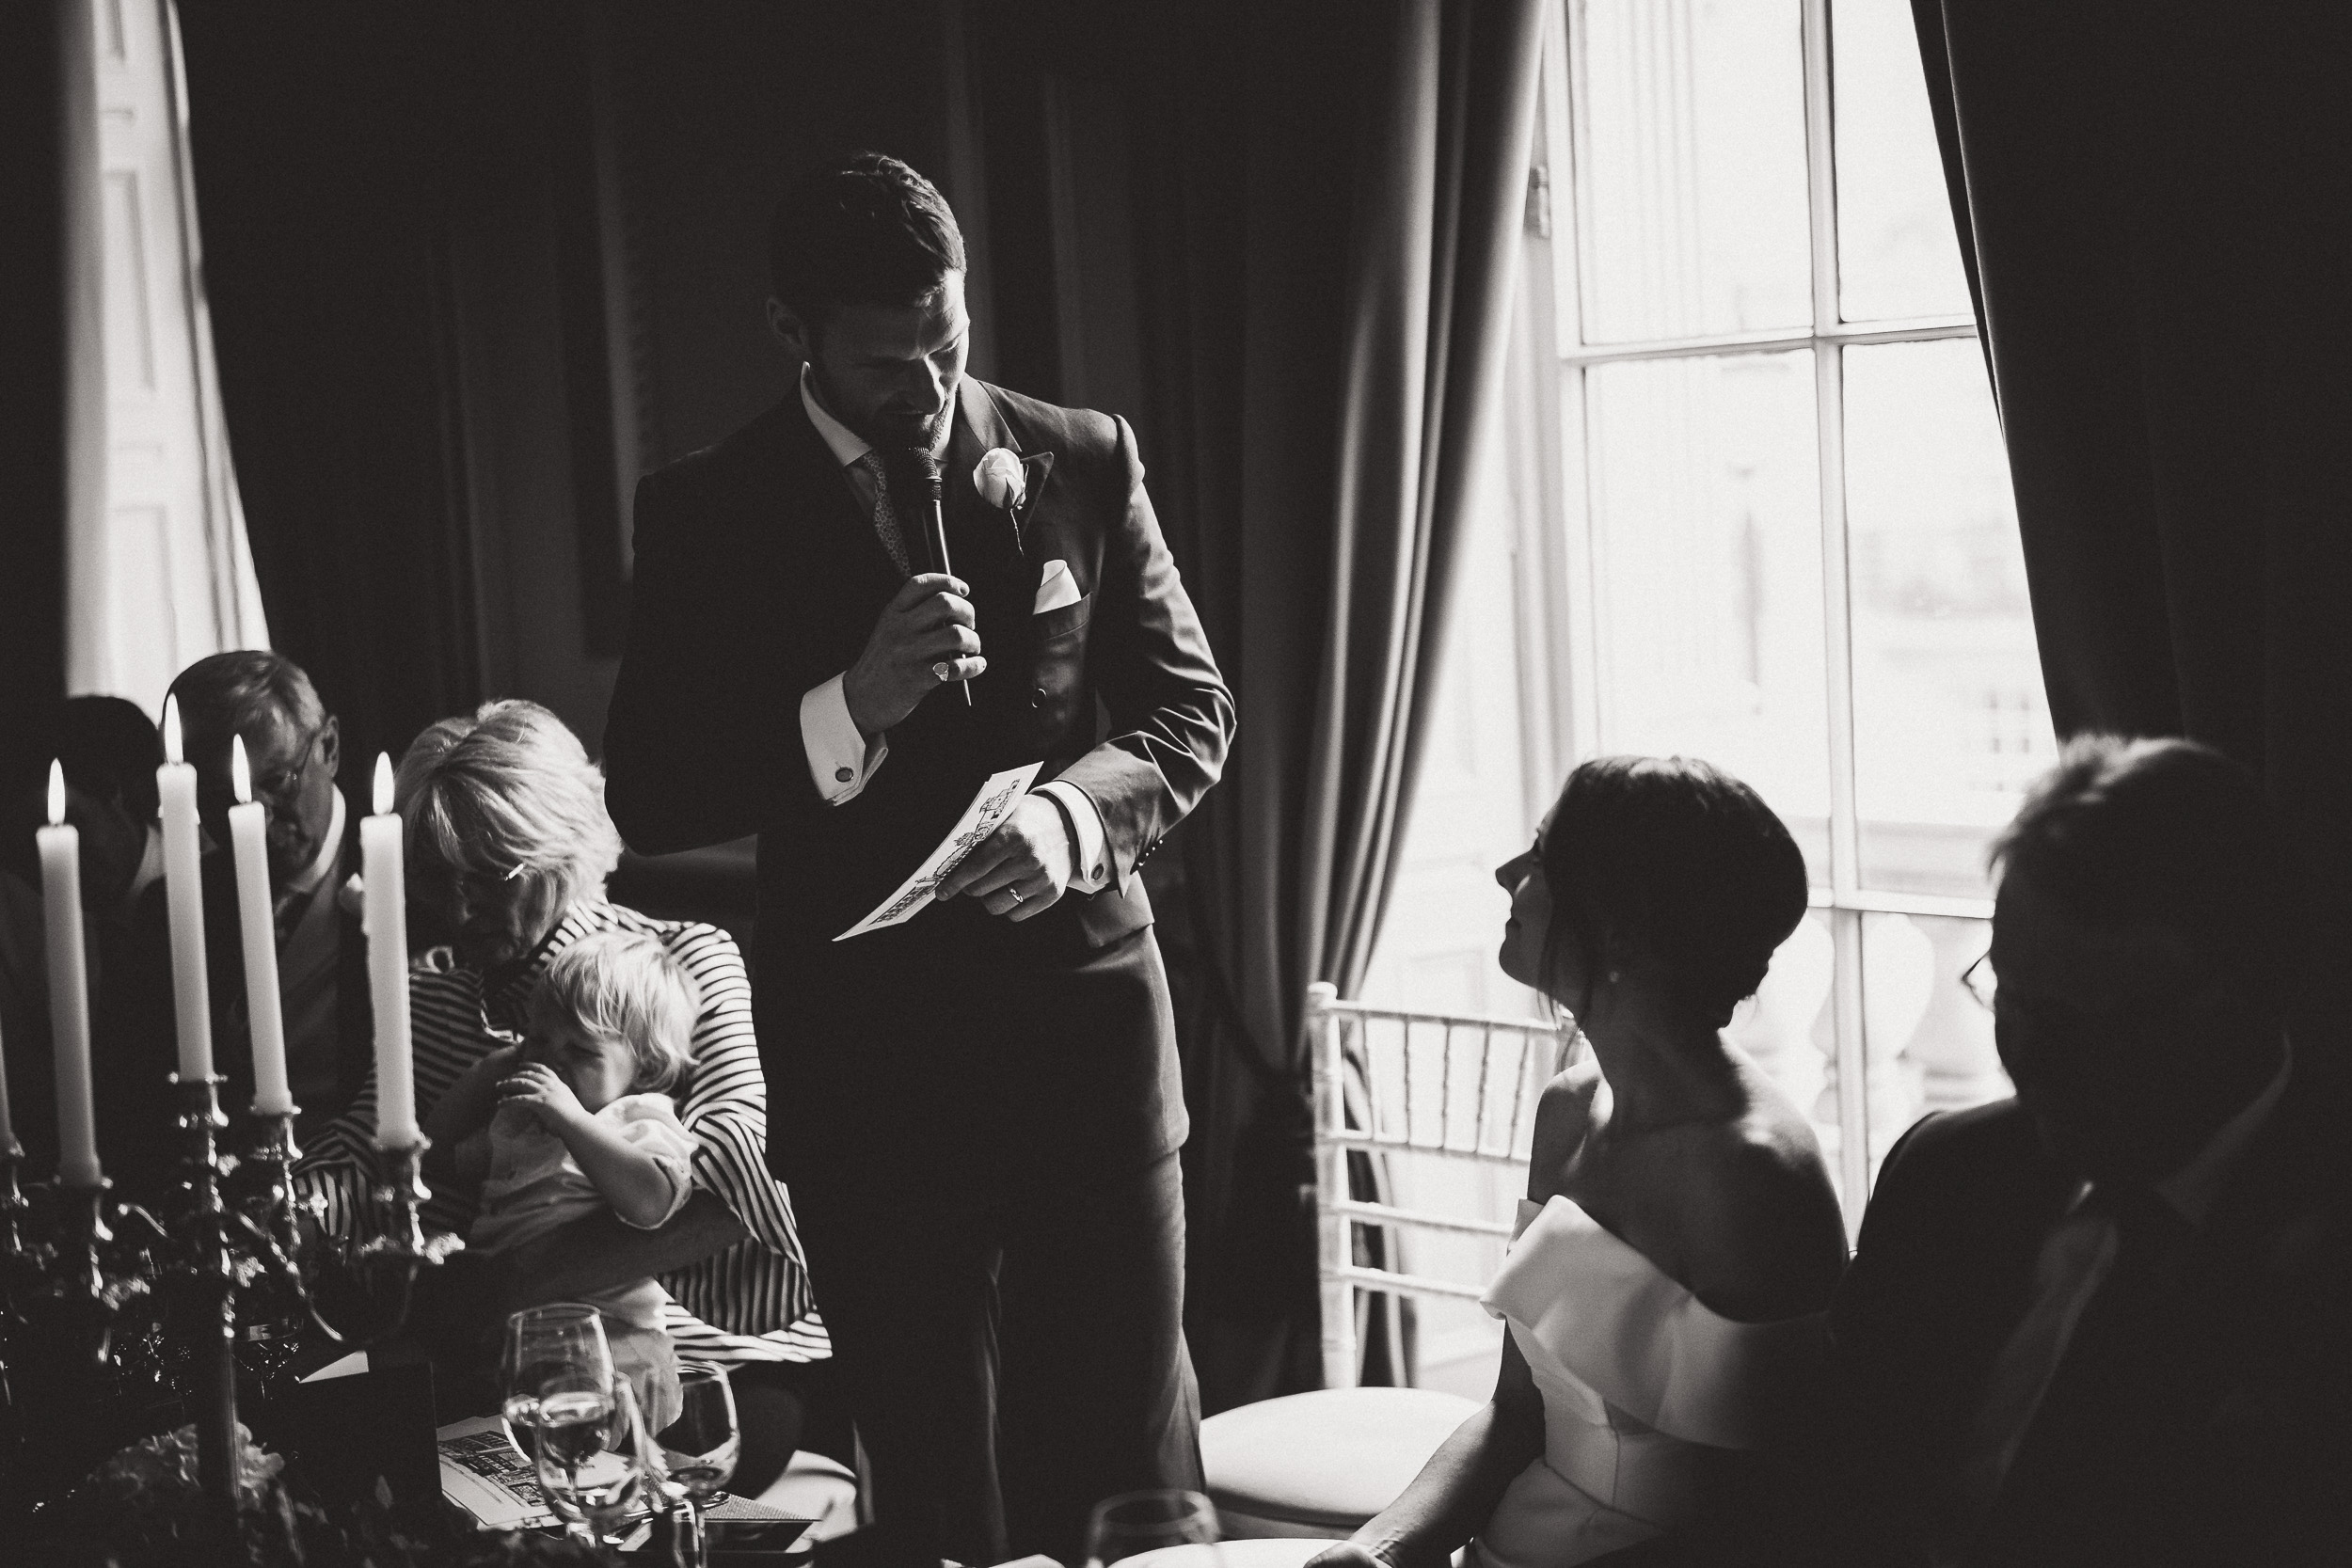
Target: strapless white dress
(1648, 1395)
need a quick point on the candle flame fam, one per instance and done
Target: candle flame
(240, 771)
(57, 793)
(383, 783)
(172, 731)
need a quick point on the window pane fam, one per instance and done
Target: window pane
(1692, 178)
(1949, 721)
(1930, 1043)
(1707, 558)
(1897, 255)
(1786, 1027)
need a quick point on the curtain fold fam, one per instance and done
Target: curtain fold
(1328, 279)
(2155, 201)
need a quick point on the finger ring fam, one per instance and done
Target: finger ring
(1016, 894)
(943, 670)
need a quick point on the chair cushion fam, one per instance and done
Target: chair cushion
(1321, 1463)
(1282, 1553)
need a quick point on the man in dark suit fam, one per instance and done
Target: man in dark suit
(978, 1110)
(2105, 1322)
(293, 747)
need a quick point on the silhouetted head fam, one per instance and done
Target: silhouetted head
(2147, 936)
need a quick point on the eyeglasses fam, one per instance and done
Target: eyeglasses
(1982, 982)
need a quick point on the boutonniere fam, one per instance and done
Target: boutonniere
(1008, 483)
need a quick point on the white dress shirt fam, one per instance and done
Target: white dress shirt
(841, 759)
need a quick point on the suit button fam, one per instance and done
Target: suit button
(1037, 697)
(844, 774)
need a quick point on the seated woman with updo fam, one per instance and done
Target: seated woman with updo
(1666, 1292)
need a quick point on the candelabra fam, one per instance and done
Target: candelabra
(386, 1267)
(72, 1263)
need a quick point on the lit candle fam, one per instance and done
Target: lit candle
(249, 838)
(387, 967)
(68, 989)
(184, 888)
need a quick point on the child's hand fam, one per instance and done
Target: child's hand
(532, 1086)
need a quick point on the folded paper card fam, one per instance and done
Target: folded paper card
(987, 812)
(1055, 589)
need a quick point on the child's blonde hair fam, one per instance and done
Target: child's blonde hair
(627, 987)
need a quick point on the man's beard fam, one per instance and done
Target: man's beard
(906, 435)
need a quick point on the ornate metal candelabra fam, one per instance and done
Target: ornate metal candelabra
(236, 1251)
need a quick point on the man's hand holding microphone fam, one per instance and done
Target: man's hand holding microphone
(924, 639)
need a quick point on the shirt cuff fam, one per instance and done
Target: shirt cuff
(840, 760)
(1091, 865)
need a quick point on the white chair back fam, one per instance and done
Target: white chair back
(1438, 1085)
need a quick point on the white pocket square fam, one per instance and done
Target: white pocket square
(1058, 589)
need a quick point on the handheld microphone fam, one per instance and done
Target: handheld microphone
(928, 489)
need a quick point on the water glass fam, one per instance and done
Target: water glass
(1137, 1522)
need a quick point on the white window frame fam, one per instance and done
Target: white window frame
(1555, 512)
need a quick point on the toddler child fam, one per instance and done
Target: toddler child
(576, 1120)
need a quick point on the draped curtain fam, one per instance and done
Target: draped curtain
(1329, 277)
(2154, 200)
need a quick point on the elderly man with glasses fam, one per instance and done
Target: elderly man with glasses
(293, 747)
(2103, 1321)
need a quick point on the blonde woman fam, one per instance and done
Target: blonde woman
(509, 849)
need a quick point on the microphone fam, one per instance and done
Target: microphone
(927, 489)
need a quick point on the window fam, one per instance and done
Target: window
(1757, 487)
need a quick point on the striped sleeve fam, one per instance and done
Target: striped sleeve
(760, 1285)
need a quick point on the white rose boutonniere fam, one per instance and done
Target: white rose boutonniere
(1001, 480)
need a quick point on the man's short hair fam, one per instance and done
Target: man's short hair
(625, 987)
(111, 748)
(226, 694)
(867, 231)
(2125, 835)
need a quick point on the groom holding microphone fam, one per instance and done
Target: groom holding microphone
(978, 1110)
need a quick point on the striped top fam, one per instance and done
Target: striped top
(749, 1302)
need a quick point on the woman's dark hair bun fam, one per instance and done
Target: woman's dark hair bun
(1674, 860)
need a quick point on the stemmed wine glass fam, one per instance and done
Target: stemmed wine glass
(700, 1448)
(557, 1348)
(1135, 1522)
(593, 1459)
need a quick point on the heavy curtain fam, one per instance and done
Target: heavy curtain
(2156, 204)
(1327, 281)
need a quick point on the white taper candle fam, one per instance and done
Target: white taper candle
(387, 967)
(249, 838)
(69, 989)
(183, 899)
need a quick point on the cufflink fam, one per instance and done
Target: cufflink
(844, 775)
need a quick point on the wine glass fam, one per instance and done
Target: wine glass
(1135, 1522)
(592, 1459)
(558, 1348)
(700, 1447)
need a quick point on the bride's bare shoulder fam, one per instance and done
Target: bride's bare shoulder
(1564, 1119)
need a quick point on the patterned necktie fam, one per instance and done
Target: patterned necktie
(886, 515)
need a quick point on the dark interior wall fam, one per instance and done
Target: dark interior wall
(402, 209)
